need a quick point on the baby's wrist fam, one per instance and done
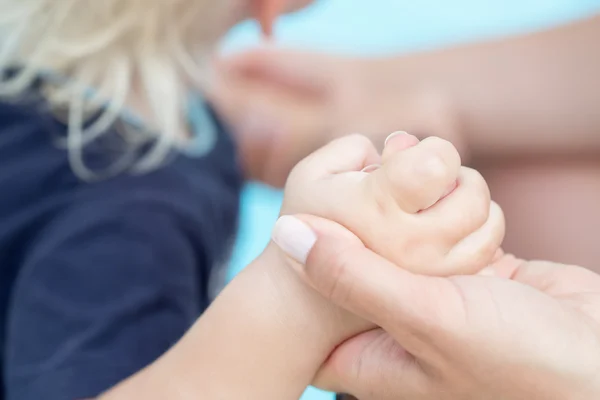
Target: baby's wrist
(299, 307)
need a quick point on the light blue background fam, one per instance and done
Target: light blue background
(384, 26)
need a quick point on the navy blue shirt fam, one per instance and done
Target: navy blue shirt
(97, 280)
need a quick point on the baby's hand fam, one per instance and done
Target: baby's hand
(420, 208)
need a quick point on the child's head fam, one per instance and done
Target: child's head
(144, 52)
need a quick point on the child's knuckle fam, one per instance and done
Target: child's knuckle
(478, 210)
(444, 149)
(484, 255)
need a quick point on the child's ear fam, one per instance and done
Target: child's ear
(266, 12)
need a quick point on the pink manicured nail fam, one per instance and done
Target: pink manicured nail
(294, 237)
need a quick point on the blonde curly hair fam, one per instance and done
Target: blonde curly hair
(157, 47)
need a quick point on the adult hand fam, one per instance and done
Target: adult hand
(285, 104)
(518, 330)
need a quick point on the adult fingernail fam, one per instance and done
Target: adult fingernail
(398, 133)
(294, 237)
(371, 168)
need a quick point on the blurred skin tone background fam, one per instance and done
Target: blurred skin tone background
(513, 84)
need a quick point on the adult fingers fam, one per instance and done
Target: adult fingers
(414, 309)
(372, 365)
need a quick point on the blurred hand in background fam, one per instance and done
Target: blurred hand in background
(284, 104)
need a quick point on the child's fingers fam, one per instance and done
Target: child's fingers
(478, 250)
(351, 153)
(504, 266)
(397, 142)
(419, 176)
(463, 211)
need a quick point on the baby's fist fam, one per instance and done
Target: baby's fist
(418, 207)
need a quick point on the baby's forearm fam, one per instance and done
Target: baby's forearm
(263, 338)
(261, 333)
(525, 95)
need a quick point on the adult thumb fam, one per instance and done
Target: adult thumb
(336, 264)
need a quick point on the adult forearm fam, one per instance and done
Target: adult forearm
(527, 95)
